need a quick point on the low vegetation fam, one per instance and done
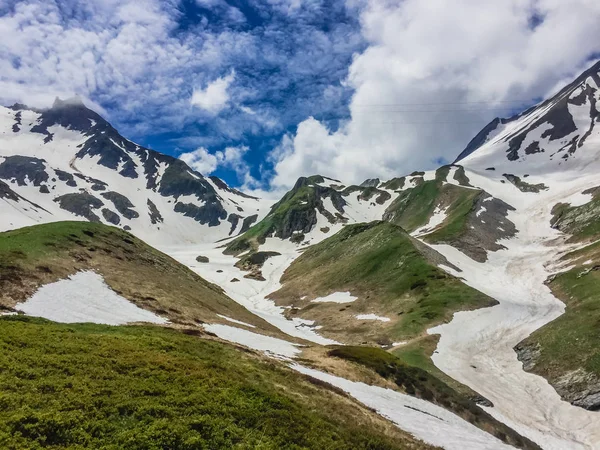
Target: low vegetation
(393, 276)
(581, 222)
(92, 386)
(41, 254)
(414, 207)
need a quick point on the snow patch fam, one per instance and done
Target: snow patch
(424, 420)
(270, 345)
(239, 322)
(336, 297)
(85, 297)
(372, 317)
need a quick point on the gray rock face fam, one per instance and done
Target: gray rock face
(248, 222)
(110, 216)
(154, 213)
(210, 213)
(486, 225)
(122, 204)
(81, 204)
(24, 169)
(371, 182)
(578, 387)
(68, 178)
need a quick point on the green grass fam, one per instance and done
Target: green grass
(579, 221)
(414, 207)
(380, 264)
(295, 201)
(41, 254)
(419, 383)
(93, 386)
(458, 213)
(571, 341)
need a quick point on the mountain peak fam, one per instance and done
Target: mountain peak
(71, 101)
(557, 128)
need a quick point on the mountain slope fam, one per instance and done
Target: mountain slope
(559, 132)
(94, 386)
(390, 276)
(74, 164)
(443, 207)
(316, 207)
(34, 256)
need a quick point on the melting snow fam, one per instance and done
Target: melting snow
(84, 297)
(336, 297)
(239, 322)
(372, 317)
(424, 420)
(267, 344)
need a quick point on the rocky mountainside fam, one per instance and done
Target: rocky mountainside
(67, 162)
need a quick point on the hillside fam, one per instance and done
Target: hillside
(68, 163)
(315, 208)
(94, 386)
(34, 256)
(392, 281)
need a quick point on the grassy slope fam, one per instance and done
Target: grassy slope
(421, 384)
(571, 341)
(579, 221)
(379, 263)
(92, 386)
(414, 207)
(295, 200)
(32, 256)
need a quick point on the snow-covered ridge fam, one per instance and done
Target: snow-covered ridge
(558, 134)
(73, 165)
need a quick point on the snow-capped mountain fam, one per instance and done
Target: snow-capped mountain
(554, 135)
(68, 163)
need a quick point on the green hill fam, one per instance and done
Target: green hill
(41, 254)
(139, 387)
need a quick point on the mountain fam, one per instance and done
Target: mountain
(316, 207)
(67, 162)
(558, 132)
(426, 297)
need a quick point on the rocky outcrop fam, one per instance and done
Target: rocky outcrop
(578, 387)
(24, 170)
(81, 204)
(122, 204)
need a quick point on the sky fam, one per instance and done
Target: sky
(260, 92)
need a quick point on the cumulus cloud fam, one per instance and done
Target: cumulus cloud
(201, 160)
(433, 74)
(215, 96)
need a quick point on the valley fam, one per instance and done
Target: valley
(452, 308)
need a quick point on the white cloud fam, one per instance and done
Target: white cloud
(433, 74)
(201, 160)
(215, 96)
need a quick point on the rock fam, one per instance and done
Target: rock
(202, 259)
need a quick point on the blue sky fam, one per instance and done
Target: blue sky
(260, 92)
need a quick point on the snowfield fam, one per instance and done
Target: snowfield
(476, 347)
(84, 297)
(424, 420)
(270, 345)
